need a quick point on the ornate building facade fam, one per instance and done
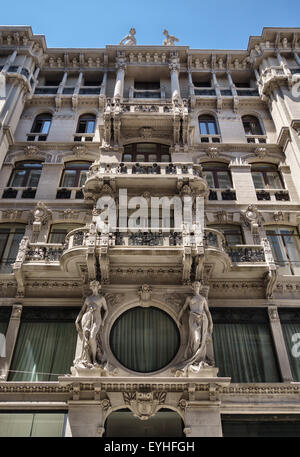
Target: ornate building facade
(180, 330)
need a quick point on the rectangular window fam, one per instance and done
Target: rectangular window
(285, 245)
(9, 244)
(261, 425)
(290, 323)
(243, 345)
(28, 424)
(45, 345)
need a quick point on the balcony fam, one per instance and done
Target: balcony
(145, 174)
(222, 194)
(19, 192)
(247, 92)
(44, 252)
(70, 193)
(258, 139)
(84, 136)
(46, 90)
(239, 253)
(272, 195)
(210, 138)
(204, 92)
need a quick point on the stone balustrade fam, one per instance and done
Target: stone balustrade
(145, 168)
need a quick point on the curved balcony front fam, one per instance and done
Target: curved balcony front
(144, 176)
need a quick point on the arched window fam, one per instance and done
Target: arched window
(208, 129)
(218, 178)
(146, 152)
(217, 175)
(85, 128)
(253, 128)
(285, 243)
(25, 174)
(266, 176)
(10, 237)
(74, 176)
(40, 127)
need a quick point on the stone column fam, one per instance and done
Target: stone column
(103, 85)
(175, 88)
(191, 85)
(296, 57)
(62, 83)
(9, 61)
(11, 338)
(216, 85)
(119, 86)
(203, 419)
(280, 347)
(242, 181)
(231, 84)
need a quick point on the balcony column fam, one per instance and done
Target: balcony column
(191, 85)
(279, 343)
(296, 57)
(119, 85)
(103, 85)
(231, 84)
(216, 85)
(283, 64)
(62, 83)
(78, 84)
(10, 340)
(175, 89)
(9, 61)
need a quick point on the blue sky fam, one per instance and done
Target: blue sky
(212, 24)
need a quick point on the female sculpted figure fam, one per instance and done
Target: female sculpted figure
(129, 40)
(88, 323)
(200, 328)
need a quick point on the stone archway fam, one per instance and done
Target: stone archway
(165, 423)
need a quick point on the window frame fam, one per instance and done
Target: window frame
(37, 134)
(283, 244)
(78, 173)
(21, 166)
(86, 119)
(208, 119)
(250, 118)
(259, 167)
(215, 170)
(159, 152)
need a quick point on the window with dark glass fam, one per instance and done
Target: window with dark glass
(243, 345)
(261, 425)
(146, 152)
(86, 123)
(26, 174)
(5, 312)
(285, 244)
(217, 175)
(10, 237)
(164, 423)
(266, 176)
(40, 127)
(147, 90)
(208, 125)
(233, 233)
(58, 232)
(74, 174)
(252, 125)
(46, 343)
(144, 339)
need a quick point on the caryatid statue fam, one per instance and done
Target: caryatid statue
(200, 329)
(170, 39)
(89, 321)
(129, 40)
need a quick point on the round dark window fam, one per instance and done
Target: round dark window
(144, 339)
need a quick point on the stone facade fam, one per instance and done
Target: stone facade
(77, 125)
